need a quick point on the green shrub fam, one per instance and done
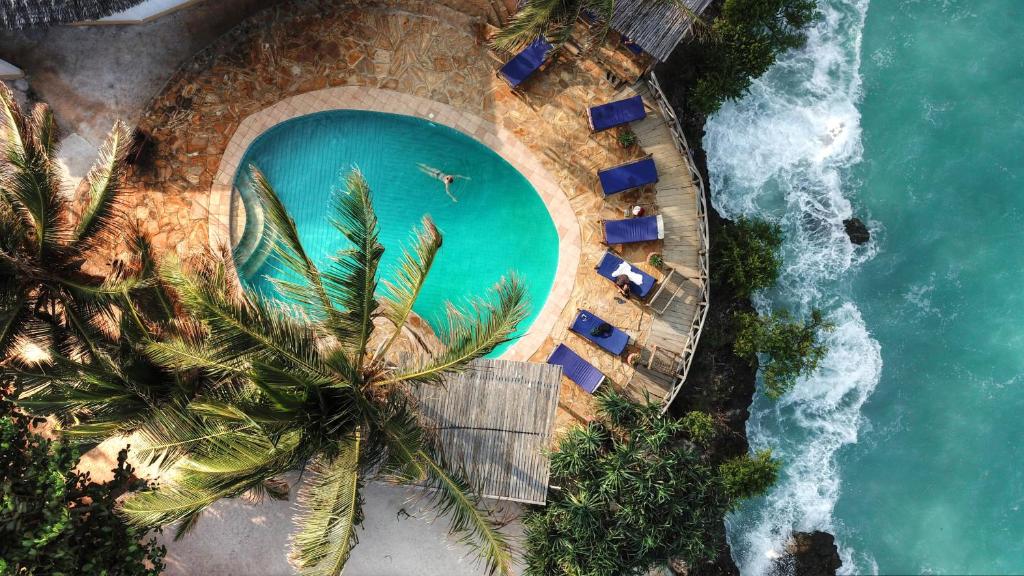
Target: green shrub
(790, 348)
(631, 494)
(627, 138)
(54, 520)
(700, 426)
(747, 476)
(748, 258)
(748, 36)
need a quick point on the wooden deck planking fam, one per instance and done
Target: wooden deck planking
(677, 196)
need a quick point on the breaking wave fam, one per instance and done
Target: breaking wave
(785, 153)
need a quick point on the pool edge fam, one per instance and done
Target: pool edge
(501, 141)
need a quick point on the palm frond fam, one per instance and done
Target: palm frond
(410, 276)
(31, 182)
(218, 465)
(452, 495)
(104, 179)
(472, 332)
(351, 279)
(549, 18)
(181, 354)
(329, 511)
(281, 231)
(44, 126)
(14, 314)
(244, 327)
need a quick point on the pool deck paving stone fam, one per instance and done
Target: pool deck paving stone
(421, 59)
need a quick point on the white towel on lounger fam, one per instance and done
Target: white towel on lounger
(626, 269)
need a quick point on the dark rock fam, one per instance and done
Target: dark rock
(809, 554)
(857, 231)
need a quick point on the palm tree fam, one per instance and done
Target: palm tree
(316, 386)
(554, 19)
(116, 388)
(44, 290)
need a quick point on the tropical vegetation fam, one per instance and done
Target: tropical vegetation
(45, 286)
(746, 38)
(315, 386)
(55, 520)
(748, 255)
(227, 390)
(787, 347)
(633, 489)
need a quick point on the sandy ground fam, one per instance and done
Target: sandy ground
(92, 76)
(236, 537)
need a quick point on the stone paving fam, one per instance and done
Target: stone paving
(422, 52)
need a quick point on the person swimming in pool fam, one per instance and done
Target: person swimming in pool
(448, 179)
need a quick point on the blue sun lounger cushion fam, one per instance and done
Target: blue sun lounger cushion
(616, 113)
(523, 65)
(587, 323)
(632, 230)
(610, 263)
(628, 176)
(576, 368)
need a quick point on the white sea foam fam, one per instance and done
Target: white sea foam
(784, 152)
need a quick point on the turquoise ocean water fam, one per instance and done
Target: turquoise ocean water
(908, 443)
(497, 225)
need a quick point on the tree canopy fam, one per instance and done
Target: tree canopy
(635, 489)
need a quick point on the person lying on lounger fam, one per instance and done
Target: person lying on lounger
(622, 283)
(448, 179)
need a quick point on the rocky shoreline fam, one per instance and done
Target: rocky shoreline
(722, 383)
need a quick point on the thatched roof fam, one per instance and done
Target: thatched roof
(496, 419)
(656, 26)
(17, 14)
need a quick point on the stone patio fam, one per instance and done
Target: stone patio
(427, 57)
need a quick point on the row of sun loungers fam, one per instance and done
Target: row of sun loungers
(587, 325)
(626, 176)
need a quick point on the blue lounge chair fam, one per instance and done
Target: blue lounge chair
(616, 113)
(523, 65)
(646, 229)
(611, 262)
(585, 324)
(632, 174)
(576, 369)
(632, 46)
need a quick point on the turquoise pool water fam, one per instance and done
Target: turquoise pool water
(498, 224)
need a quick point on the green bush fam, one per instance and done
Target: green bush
(747, 476)
(748, 258)
(700, 426)
(632, 493)
(748, 36)
(55, 521)
(790, 348)
(627, 138)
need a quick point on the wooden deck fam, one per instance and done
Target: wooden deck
(679, 304)
(496, 419)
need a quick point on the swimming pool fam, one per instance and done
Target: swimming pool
(496, 224)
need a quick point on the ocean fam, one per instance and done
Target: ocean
(907, 443)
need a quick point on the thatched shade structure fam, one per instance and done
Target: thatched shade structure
(657, 26)
(496, 419)
(18, 14)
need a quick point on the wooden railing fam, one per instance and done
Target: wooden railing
(703, 302)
